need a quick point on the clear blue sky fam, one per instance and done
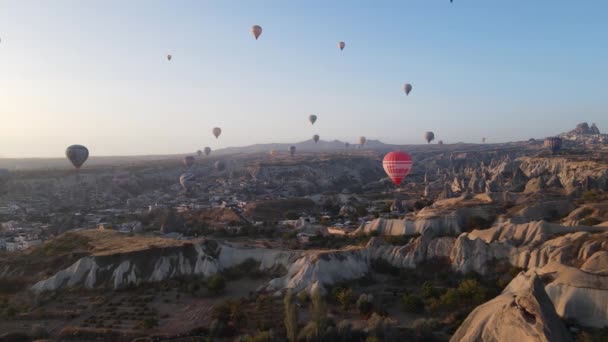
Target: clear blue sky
(95, 72)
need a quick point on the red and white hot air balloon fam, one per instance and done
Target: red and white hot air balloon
(397, 165)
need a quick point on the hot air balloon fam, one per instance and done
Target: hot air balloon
(440, 142)
(4, 176)
(347, 145)
(407, 88)
(188, 161)
(483, 140)
(217, 131)
(362, 141)
(553, 143)
(219, 165)
(292, 150)
(256, 30)
(315, 138)
(187, 180)
(312, 118)
(200, 153)
(77, 154)
(341, 45)
(397, 165)
(429, 136)
(169, 57)
(207, 150)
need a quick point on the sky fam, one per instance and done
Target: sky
(95, 72)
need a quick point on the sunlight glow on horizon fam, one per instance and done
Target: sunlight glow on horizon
(95, 73)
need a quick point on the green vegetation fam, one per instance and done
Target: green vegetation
(291, 316)
(595, 335)
(412, 304)
(365, 304)
(590, 221)
(344, 296)
(149, 323)
(216, 284)
(590, 196)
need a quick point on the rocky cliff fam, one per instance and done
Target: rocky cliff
(523, 312)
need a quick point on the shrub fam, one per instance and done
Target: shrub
(291, 316)
(590, 195)
(384, 267)
(590, 221)
(319, 311)
(424, 327)
(303, 296)
(382, 327)
(429, 291)
(216, 284)
(364, 304)
(262, 336)
(344, 296)
(229, 311)
(412, 304)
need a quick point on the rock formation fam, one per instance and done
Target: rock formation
(523, 312)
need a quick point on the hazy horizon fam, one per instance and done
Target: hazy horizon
(95, 73)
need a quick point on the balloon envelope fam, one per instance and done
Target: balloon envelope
(220, 165)
(77, 154)
(292, 150)
(397, 165)
(199, 152)
(4, 176)
(429, 136)
(407, 88)
(217, 131)
(553, 143)
(169, 57)
(312, 118)
(207, 150)
(256, 30)
(189, 161)
(315, 138)
(362, 140)
(186, 180)
(341, 45)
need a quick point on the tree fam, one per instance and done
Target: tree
(291, 316)
(412, 304)
(319, 311)
(344, 296)
(216, 284)
(364, 304)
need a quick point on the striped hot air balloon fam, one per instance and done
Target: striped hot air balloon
(397, 165)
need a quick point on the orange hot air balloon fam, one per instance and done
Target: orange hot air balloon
(341, 45)
(397, 165)
(256, 30)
